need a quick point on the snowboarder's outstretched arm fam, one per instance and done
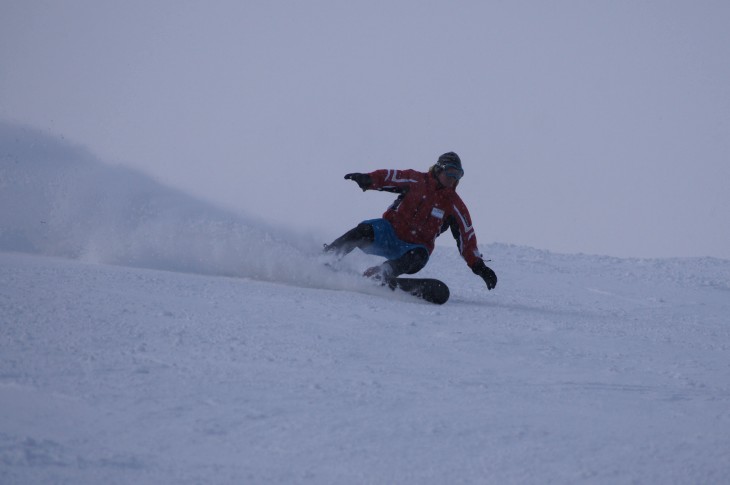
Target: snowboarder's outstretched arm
(387, 180)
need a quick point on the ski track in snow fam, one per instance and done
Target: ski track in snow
(148, 338)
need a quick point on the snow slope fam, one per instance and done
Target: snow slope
(146, 337)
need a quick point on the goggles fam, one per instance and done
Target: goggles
(452, 171)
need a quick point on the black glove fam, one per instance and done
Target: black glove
(363, 180)
(485, 272)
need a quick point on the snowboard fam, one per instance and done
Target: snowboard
(428, 289)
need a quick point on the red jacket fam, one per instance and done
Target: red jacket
(425, 209)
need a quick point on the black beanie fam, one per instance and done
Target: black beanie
(449, 158)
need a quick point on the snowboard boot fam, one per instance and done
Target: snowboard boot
(382, 274)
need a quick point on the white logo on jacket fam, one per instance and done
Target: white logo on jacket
(469, 229)
(393, 177)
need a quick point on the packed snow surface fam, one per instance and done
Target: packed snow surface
(146, 337)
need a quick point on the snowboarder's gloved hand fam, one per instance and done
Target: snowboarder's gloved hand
(362, 179)
(485, 272)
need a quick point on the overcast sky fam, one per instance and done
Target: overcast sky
(584, 126)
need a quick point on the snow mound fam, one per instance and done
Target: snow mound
(58, 199)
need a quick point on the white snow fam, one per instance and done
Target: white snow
(148, 338)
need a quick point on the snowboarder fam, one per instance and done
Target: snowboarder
(426, 207)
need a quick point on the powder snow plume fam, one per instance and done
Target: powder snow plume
(58, 199)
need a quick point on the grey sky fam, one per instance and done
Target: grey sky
(583, 126)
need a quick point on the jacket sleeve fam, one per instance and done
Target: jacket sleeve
(463, 232)
(397, 181)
